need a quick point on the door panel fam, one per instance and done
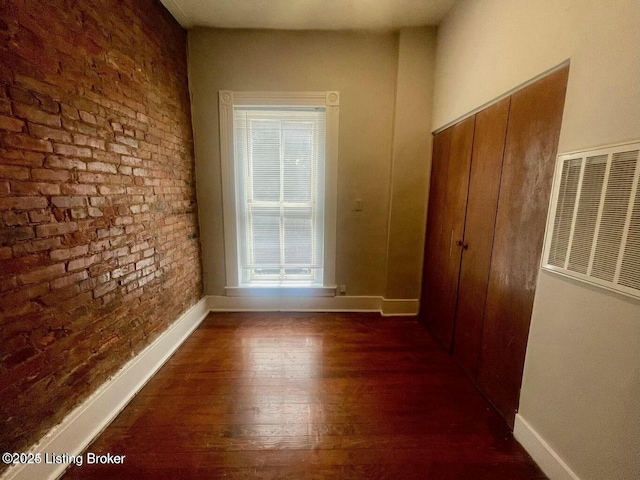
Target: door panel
(445, 226)
(484, 184)
(532, 139)
(453, 228)
(433, 269)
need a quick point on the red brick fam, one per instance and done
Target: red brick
(122, 271)
(76, 302)
(127, 259)
(68, 280)
(131, 278)
(111, 190)
(23, 96)
(35, 115)
(112, 232)
(88, 117)
(11, 235)
(78, 213)
(5, 105)
(78, 189)
(52, 229)
(68, 202)
(66, 253)
(101, 167)
(21, 157)
(58, 295)
(51, 175)
(47, 103)
(91, 177)
(94, 212)
(54, 161)
(99, 245)
(42, 274)
(123, 220)
(49, 133)
(84, 102)
(125, 101)
(19, 356)
(69, 112)
(35, 188)
(11, 124)
(103, 289)
(107, 157)
(120, 179)
(15, 218)
(25, 294)
(27, 143)
(79, 127)
(132, 142)
(139, 246)
(18, 173)
(83, 262)
(131, 161)
(83, 140)
(40, 217)
(36, 246)
(117, 148)
(98, 201)
(22, 203)
(7, 284)
(72, 151)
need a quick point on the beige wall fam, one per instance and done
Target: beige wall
(411, 162)
(581, 383)
(363, 67)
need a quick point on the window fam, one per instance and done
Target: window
(279, 163)
(279, 180)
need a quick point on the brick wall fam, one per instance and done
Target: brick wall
(98, 227)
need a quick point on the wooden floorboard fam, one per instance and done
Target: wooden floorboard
(309, 396)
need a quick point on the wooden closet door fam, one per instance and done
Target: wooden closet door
(445, 226)
(433, 267)
(482, 203)
(533, 129)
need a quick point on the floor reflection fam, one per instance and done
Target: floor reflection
(287, 368)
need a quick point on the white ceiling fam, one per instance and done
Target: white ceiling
(308, 14)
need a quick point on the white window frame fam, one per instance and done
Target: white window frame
(330, 100)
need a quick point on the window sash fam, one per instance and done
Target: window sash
(255, 193)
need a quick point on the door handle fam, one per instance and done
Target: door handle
(464, 246)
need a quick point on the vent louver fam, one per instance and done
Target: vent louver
(593, 230)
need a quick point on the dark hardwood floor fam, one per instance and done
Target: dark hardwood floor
(310, 396)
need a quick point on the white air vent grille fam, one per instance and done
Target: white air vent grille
(593, 231)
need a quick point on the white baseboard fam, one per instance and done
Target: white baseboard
(89, 419)
(387, 307)
(546, 458)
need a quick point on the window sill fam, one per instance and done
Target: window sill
(281, 291)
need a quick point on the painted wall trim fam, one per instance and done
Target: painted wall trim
(91, 417)
(506, 94)
(176, 11)
(386, 307)
(546, 458)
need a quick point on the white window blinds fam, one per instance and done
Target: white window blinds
(594, 225)
(279, 157)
